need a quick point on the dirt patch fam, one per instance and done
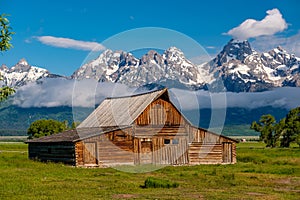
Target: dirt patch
(124, 196)
(285, 181)
(255, 194)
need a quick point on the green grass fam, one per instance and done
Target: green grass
(261, 173)
(151, 182)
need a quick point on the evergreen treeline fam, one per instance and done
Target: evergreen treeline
(281, 133)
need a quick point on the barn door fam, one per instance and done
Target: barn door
(146, 152)
(227, 152)
(90, 155)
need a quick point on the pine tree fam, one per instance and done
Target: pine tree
(291, 128)
(266, 127)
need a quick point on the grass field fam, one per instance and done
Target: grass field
(261, 173)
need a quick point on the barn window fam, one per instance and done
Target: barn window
(167, 141)
(175, 141)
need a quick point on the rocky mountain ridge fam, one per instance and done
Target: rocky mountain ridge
(23, 73)
(238, 68)
(123, 67)
(243, 69)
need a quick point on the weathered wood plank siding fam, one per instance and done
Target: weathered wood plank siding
(233, 153)
(200, 153)
(210, 148)
(160, 112)
(55, 152)
(79, 153)
(174, 153)
(161, 121)
(171, 154)
(203, 136)
(113, 148)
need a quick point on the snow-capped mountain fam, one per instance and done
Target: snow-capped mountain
(237, 68)
(122, 67)
(22, 73)
(241, 68)
(104, 67)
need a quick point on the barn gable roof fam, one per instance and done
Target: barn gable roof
(121, 111)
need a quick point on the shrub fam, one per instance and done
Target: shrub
(151, 182)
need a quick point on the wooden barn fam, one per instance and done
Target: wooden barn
(139, 129)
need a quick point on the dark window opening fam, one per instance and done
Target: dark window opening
(167, 141)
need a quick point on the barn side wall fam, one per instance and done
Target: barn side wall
(162, 145)
(55, 152)
(161, 121)
(210, 148)
(109, 149)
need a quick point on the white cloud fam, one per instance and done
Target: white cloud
(88, 93)
(266, 43)
(251, 28)
(66, 92)
(70, 43)
(285, 97)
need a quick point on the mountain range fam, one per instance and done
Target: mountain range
(237, 68)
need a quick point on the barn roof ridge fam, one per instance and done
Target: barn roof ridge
(138, 94)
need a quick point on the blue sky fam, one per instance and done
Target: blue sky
(58, 35)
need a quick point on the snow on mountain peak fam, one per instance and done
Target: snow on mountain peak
(174, 49)
(238, 66)
(22, 73)
(22, 62)
(152, 67)
(4, 68)
(244, 69)
(281, 49)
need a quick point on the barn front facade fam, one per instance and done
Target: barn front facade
(134, 130)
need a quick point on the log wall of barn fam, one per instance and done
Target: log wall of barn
(200, 153)
(210, 148)
(55, 152)
(113, 148)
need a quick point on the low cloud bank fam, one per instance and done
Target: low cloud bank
(286, 97)
(64, 92)
(89, 93)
